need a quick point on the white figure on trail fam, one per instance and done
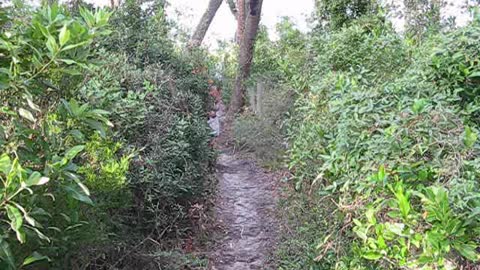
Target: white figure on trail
(215, 116)
(214, 124)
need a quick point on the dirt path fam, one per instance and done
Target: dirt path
(244, 208)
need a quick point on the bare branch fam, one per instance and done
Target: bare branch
(233, 8)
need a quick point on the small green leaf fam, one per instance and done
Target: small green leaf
(35, 257)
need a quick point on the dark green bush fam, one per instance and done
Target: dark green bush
(158, 105)
(103, 137)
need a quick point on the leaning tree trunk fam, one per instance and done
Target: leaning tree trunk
(252, 21)
(204, 23)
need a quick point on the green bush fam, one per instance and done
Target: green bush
(157, 97)
(103, 137)
(394, 147)
(43, 130)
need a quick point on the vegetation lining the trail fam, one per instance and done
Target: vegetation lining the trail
(384, 149)
(103, 138)
(382, 140)
(105, 160)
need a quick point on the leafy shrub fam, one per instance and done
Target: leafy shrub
(103, 136)
(370, 46)
(396, 155)
(43, 137)
(157, 98)
(454, 66)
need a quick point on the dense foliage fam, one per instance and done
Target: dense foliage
(105, 159)
(103, 137)
(384, 148)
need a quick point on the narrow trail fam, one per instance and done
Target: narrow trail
(245, 209)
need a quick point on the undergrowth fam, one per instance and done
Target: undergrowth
(383, 148)
(105, 158)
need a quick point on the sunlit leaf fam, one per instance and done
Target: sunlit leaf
(74, 151)
(35, 257)
(78, 195)
(36, 179)
(26, 114)
(16, 222)
(64, 35)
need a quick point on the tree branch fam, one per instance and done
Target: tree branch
(233, 8)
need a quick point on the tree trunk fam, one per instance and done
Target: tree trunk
(204, 23)
(241, 20)
(252, 21)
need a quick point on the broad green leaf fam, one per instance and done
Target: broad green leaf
(77, 134)
(16, 222)
(26, 216)
(35, 257)
(26, 114)
(73, 46)
(5, 163)
(64, 35)
(475, 74)
(32, 105)
(52, 45)
(370, 213)
(74, 151)
(468, 251)
(419, 105)
(78, 195)
(88, 16)
(396, 228)
(40, 234)
(6, 254)
(77, 180)
(99, 126)
(371, 255)
(36, 179)
(42, 29)
(67, 61)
